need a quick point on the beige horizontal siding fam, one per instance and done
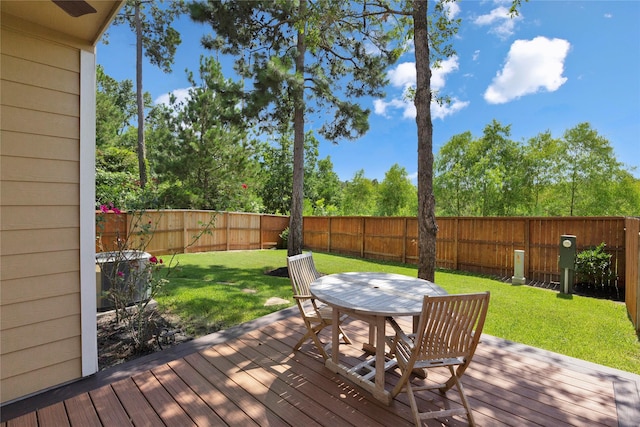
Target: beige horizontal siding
(31, 73)
(39, 146)
(34, 288)
(56, 239)
(39, 217)
(42, 310)
(39, 51)
(31, 359)
(24, 169)
(39, 264)
(38, 122)
(17, 339)
(40, 379)
(40, 344)
(38, 193)
(40, 99)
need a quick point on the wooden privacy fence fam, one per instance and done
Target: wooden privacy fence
(487, 245)
(186, 231)
(478, 245)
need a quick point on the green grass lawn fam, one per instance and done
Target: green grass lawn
(216, 290)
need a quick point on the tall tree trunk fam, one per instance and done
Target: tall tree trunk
(427, 227)
(142, 154)
(297, 195)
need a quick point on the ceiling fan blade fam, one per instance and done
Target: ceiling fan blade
(75, 8)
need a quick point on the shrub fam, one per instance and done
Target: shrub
(284, 236)
(135, 276)
(593, 266)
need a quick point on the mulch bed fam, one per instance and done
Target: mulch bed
(115, 344)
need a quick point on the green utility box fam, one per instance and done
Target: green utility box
(567, 263)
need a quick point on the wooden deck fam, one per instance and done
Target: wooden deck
(248, 376)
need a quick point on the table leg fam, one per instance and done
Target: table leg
(379, 392)
(370, 347)
(335, 335)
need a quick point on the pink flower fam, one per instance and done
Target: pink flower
(244, 186)
(109, 208)
(160, 260)
(120, 274)
(153, 260)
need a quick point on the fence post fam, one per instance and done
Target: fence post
(404, 242)
(261, 241)
(329, 235)
(228, 229)
(527, 245)
(362, 228)
(185, 232)
(455, 243)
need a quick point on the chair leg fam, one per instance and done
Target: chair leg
(405, 386)
(458, 373)
(318, 343)
(463, 397)
(414, 405)
(345, 338)
(312, 333)
(302, 340)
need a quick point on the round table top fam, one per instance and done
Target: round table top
(385, 294)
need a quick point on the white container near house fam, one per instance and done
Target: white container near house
(132, 264)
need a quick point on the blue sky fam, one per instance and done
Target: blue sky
(558, 64)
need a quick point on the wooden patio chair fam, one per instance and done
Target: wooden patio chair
(316, 316)
(447, 336)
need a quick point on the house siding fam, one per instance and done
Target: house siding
(40, 300)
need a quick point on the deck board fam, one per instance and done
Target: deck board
(188, 399)
(218, 401)
(54, 416)
(108, 407)
(161, 401)
(134, 402)
(82, 412)
(243, 399)
(249, 376)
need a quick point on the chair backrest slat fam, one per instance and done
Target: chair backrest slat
(450, 326)
(302, 271)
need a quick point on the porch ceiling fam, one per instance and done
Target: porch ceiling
(46, 14)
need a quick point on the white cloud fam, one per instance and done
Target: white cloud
(180, 94)
(499, 21)
(531, 66)
(439, 74)
(452, 8)
(441, 111)
(380, 106)
(608, 15)
(408, 108)
(404, 77)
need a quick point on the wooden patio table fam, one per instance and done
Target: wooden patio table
(372, 297)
